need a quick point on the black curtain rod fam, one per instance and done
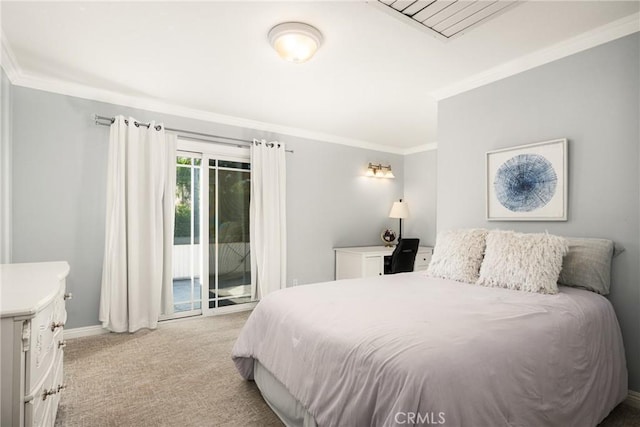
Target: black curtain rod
(245, 142)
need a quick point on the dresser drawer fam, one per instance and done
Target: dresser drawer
(422, 261)
(41, 410)
(41, 355)
(60, 311)
(33, 317)
(58, 386)
(46, 336)
(38, 409)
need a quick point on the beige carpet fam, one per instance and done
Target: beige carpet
(179, 375)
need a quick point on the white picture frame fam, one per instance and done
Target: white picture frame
(528, 182)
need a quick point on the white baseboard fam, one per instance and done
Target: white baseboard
(85, 331)
(633, 399)
(88, 331)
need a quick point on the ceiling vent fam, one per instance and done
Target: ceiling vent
(445, 18)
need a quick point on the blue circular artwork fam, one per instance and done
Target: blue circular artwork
(525, 182)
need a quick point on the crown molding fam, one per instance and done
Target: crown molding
(86, 92)
(20, 78)
(606, 33)
(8, 59)
(421, 148)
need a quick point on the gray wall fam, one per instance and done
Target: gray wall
(420, 185)
(591, 98)
(59, 192)
(330, 203)
(5, 168)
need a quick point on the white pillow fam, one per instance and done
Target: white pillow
(527, 262)
(458, 255)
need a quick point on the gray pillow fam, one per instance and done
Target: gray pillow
(587, 265)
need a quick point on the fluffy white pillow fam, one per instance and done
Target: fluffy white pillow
(458, 255)
(527, 262)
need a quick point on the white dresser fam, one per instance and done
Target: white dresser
(32, 315)
(368, 261)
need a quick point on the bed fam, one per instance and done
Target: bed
(408, 349)
(485, 337)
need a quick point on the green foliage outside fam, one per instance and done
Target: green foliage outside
(233, 209)
(183, 221)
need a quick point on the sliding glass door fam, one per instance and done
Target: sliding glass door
(212, 205)
(187, 253)
(229, 252)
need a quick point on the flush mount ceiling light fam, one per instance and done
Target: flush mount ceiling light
(295, 41)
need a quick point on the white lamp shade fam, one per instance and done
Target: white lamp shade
(295, 41)
(399, 210)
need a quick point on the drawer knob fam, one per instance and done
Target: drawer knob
(68, 295)
(61, 387)
(48, 393)
(62, 344)
(56, 325)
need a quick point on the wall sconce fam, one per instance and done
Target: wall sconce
(379, 170)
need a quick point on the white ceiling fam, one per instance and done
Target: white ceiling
(372, 81)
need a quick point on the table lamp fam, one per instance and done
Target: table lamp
(399, 210)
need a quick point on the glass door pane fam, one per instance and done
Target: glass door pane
(230, 261)
(187, 251)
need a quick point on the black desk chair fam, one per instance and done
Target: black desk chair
(403, 256)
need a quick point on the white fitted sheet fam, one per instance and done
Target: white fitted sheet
(286, 407)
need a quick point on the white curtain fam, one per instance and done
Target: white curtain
(267, 215)
(136, 276)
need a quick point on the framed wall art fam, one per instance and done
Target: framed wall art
(528, 182)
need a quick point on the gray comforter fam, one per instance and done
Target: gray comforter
(410, 350)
